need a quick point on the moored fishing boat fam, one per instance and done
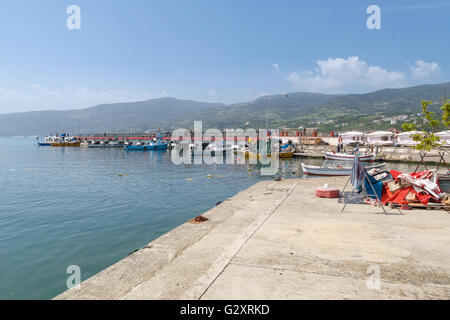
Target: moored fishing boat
(47, 142)
(332, 171)
(216, 148)
(157, 144)
(284, 155)
(150, 147)
(102, 144)
(348, 157)
(66, 144)
(115, 144)
(65, 141)
(96, 144)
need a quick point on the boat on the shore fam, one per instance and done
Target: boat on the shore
(332, 171)
(348, 157)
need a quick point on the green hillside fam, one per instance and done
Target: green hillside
(372, 110)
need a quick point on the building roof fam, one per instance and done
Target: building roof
(380, 133)
(352, 133)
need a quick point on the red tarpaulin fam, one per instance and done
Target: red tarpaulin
(400, 195)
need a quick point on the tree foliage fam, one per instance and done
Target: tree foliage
(428, 123)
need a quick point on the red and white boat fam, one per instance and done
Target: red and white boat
(347, 157)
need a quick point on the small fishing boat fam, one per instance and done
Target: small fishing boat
(155, 145)
(332, 171)
(65, 141)
(115, 144)
(217, 148)
(96, 144)
(348, 157)
(284, 155)
(162, 146)
(66, 144)
(47, 142)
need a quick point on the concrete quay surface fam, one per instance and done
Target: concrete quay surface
(386, 153)
(276, 240)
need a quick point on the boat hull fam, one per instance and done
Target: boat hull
(44, 144)
(282, 155)
(328, 172)
(66, 144)
(348, 157)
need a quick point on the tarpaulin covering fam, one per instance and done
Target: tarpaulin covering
(424, 185)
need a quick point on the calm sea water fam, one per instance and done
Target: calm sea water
(69, 206)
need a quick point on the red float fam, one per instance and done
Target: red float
(327, 192)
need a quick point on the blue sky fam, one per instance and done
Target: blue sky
(224, 51)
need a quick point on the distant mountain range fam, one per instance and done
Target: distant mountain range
(290, 110)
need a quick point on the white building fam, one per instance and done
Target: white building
(352, 137)
(405, 139)
(445, 136)
(380, 138)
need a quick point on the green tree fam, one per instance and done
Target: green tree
(427, 125)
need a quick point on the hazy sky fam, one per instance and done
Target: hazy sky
(224, 51)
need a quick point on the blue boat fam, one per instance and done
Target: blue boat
(152, 146)
(47, 143)
(157, 144)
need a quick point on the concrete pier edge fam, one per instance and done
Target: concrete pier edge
(276, 240)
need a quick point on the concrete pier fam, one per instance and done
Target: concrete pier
(386, 153)
(276, 240)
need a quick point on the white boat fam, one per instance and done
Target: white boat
(48, 141)
(96, 144)
(103, 144)
(115, 144)
(337, 171)
(348, 157)
(217, 148)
